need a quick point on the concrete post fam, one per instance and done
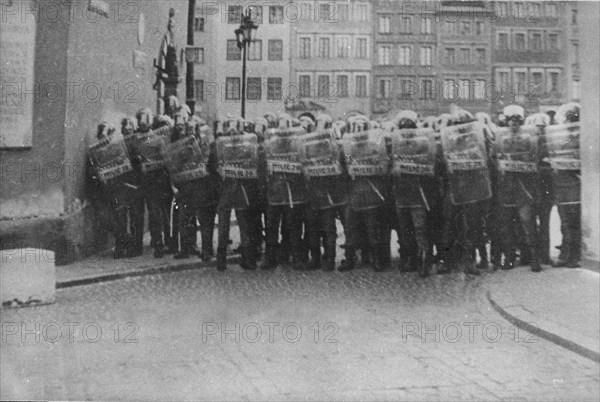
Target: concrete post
(590, 133)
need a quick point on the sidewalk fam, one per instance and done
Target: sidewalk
(561, 305)
(103, 267)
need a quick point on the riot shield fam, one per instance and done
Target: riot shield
(563, 146)
(319, 154)
(413, 151)
(148, 147)
(185, 161)
(282, 153)
(366, 153)
(517, 153)
(238, 156)
(110, 159)
(467, 163)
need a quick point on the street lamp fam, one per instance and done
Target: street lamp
(244, 35)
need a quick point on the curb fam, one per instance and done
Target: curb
(174, 267)
(585, 351)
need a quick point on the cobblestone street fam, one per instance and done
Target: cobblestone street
(201, 334)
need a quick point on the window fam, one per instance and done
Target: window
(255, 14)
(479, 28)
(342, 86)
(195, 55)
(463, 89)
(274, 86)
(404, 55)
(465, 28)
(480, 54)
(199, 24)
(361, 48)
(427, 89)
(275, 14)
(425, 25)
(426, 53)
(535, 42)
(449, 88)
(450, 58)
(503, 81)
(275, 49)
(576, 52)
(233, 51)
(384, 24)
(576, 89)
(574, 17)
(554, 83)
(234, 14)
(519, 41)
(255, 50)
(452, 27)
(501, 9)
(385, 88)
(324, 12)
(306, 12)
(254, 88)
(553, 42)
(304, 48)
(503, 41)
(232, 88)
(361, 13)
(342, 47)
(199, 90)
(324, 47)
(551, 10)
(405, 25)
(406, 86)
(323, 86)
(343, 13)
(304, 86)
(361, 86)
(479, 90)
(465, 56)
(537, 81)
(520, 82)
(383, 54)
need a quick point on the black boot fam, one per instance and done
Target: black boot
(315, 252)
(330, 253)
(221, 259)
(426, 264)
(159, 251)
(248, 258)
(380, 264)
(509, 260)
(350, 262)
(270, 258)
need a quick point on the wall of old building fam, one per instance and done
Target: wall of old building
(590, 133)
(90, 66)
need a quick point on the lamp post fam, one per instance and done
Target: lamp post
(244, 35)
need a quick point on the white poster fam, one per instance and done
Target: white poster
(17, 52)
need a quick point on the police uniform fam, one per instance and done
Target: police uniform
(365, 208)
(244, 196)
(325, 194)
(198, 199)
(286, 202)
(518, 195)
(567, 190)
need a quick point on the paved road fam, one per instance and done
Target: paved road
(369, 343)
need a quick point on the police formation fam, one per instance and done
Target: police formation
(456, 188)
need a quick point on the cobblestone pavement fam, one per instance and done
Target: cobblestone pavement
(364, 335)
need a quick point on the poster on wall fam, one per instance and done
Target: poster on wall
(17, 52)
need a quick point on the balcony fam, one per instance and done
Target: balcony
(525, 56)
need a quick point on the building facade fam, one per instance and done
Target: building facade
(330, 58)
(217, 77)
(530, 57)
